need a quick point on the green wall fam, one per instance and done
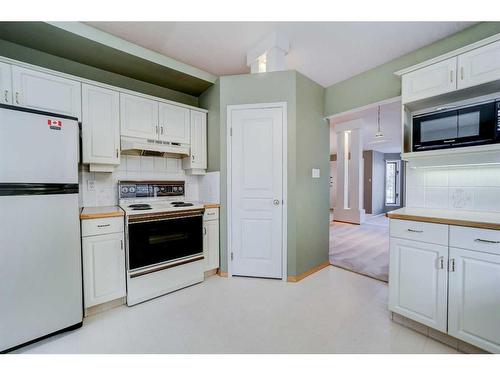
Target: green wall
(308, 145)
(210, 100)
(312, 149)
(45, 60)
(380, 83)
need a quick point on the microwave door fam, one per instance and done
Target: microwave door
(435, 131)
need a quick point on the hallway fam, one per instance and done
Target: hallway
(361, 248)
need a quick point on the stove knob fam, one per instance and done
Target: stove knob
(124, 189)
(175, 188)
(180, 189)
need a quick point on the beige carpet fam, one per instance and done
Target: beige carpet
(361, 248)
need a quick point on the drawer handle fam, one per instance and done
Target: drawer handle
(415, 231)
(103, 225)
(485, 241)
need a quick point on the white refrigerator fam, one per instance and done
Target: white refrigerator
(40, 251)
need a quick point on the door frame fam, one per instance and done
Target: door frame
(284, 249)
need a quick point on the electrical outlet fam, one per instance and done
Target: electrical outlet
(90, 185)
(315, 173)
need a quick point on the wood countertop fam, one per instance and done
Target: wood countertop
(211, 205)
(475, 219)
(101, 212)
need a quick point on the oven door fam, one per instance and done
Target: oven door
(467, 126)
(156, 242)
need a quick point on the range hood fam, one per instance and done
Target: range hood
(150, 147)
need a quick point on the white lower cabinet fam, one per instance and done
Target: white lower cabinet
(211, 239)
(103, 267)
(418, 281)
(454, 286)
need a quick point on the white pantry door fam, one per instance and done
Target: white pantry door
(257, 192)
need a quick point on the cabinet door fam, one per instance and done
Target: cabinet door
(138, 117)
(198, 140)
(174, 123)
(100, 125)
(479, 66)
(211, 244)
(46, 92)
(436, 79)
(5, 84)
(418, 281)
(103, 268)
(474, 306)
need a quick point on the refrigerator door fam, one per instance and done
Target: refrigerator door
(40, 266)
(37, 147)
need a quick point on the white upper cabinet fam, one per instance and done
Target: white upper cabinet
(474, 302)
(46, 92)
(100, 125)
(430, 81)
(5, 84)
(481, 65)
(174, 123)
(418, 281)
(197, 160)
(139, 117)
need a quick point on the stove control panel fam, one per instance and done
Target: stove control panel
(150, 189)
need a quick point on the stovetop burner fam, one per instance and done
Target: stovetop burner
(178, 202)
(182, 204)
(141, 208)
(139, 205)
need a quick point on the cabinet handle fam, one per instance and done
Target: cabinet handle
(451, 76)
(451, 265)
(415, 231)
(117, 153)
(204, 231)
(192, 157)
(6, 94)
(161, 130)
(157, 129)
(17, 97)
(462, 73)
(486, 241)
(441, 262)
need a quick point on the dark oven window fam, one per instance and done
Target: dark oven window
(164, 240)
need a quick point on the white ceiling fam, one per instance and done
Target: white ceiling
(390, 125)
(326, 52)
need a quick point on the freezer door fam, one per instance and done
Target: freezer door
(37, 148)
(40, 266)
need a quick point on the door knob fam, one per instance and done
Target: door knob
(276, 202)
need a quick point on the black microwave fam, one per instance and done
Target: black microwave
(472, 125)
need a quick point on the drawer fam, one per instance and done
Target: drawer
(419, 231)
(94, 227)
(211, 214)
(484, 240)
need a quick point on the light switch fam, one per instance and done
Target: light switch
(315, 173)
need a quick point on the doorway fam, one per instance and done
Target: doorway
(372, 155)
(256, 154)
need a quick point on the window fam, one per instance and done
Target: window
(392, 182)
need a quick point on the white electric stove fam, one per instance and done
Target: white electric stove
(164, 238)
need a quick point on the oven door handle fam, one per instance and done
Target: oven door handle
(162, 217)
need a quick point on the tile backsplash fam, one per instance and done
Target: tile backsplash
(105, 189)
(475, 188)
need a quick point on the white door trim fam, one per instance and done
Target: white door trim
(283, 106)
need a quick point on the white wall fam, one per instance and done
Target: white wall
(133, 168)
(474, 188)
